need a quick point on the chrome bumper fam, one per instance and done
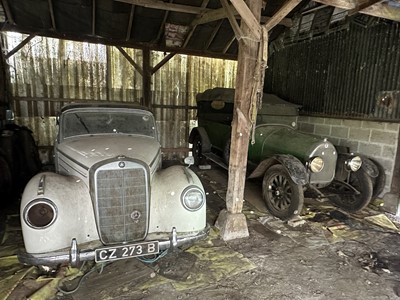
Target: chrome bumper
(74, 256)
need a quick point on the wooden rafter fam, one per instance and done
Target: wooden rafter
(232, 20)
(51, 11)
(194, 24)
(220, 13)
(93, 17)
(19, 46)
(155, 4)
(162, 25)
(248, 17)
(130, 59)
(213, 34)
(7, 10)
(363, 6)
(281, 13)
(130, 23)
(162, 62)
(381, 10)
(229, 44)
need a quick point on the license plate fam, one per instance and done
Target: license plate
(126, 251)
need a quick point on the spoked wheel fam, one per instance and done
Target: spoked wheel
(351, 201)
(197, 150)
(282, 196)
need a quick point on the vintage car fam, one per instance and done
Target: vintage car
(289, 162)
(109, 198)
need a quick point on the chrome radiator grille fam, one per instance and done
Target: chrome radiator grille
(122, 203)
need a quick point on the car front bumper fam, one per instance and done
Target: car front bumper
(75, 256)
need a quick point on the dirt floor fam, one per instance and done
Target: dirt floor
(326, 254)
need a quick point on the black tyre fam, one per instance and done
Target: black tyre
(282, 196)
(378, 182)
(350, 201)
(197, 150)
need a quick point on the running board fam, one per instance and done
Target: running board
(216, 159)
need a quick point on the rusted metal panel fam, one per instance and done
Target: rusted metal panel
(347, 74)
(48, 73)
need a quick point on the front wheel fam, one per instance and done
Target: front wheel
(282, 196)
(197, 150)
(351, 201)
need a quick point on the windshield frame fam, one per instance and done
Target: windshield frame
(80, 112)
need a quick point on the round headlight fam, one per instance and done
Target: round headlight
(354, 163)
(193, 198)
(40, 213)
(316, 164)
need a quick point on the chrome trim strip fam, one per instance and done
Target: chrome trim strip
(41, 185)
(74, 256)
(73, 160)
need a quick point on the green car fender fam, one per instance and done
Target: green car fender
(296, 170)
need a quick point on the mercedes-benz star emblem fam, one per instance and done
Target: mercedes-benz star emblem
(135, 215)
(121, 164)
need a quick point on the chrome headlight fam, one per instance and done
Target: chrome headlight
(354, 163)
(316, 164)
(40, 213)
(193, 198)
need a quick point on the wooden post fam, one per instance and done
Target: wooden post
(146, 78)
(232, 222)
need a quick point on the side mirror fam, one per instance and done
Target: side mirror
(189, 160)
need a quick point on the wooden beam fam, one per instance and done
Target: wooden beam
(122, 43)
(162, 62)
(248, 17)
(229, 44)
(155, 4)
(213, 34)
(162, 26)
(146, 78)
(93, 17)
(193, 25)
(231, 222)
(380, 10)
(362, 6)
(7, 10)
(232, 20)
(130, 59)
(19, 46)
(130, 23)
(281, 13)
(51, 11)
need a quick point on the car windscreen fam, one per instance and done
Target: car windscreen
(75, 123)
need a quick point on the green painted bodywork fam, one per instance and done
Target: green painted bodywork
(276, 132)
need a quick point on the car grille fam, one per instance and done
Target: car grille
(122, 202)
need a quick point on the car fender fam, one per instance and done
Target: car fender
(367, 166)
(167, 209)
(205, 140)
(74, 213)
(297, 171)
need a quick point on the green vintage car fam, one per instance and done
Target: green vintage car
(289, 162)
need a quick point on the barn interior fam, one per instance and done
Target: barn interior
(337, 60)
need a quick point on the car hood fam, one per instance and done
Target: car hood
(88, 151)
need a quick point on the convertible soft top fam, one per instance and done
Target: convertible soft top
(272, 104)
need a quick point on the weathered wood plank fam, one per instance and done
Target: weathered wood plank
(130, 59)
(281, 13)
(381, 10)
(155, 4)
(241, 125)
(19, 46)
(248, 17)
